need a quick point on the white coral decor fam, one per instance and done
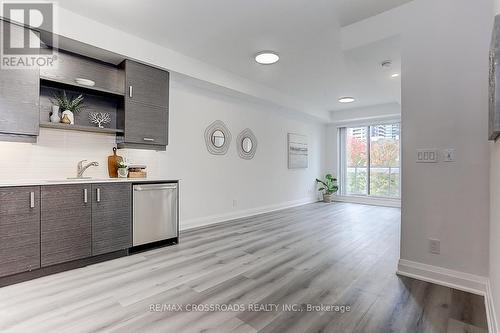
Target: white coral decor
(99, 118)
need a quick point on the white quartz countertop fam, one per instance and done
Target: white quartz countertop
(40, 182)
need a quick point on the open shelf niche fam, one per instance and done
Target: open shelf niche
(94, 100)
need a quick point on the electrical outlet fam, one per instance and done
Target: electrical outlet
(235, 203)
(435, 246)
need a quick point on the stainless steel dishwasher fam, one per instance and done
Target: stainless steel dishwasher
(155, 213)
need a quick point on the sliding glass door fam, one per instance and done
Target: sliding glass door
(370, 158)
(357, 161)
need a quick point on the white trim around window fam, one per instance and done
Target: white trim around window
(342, 167)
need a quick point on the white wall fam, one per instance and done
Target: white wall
(209, 184)
(495, 216)
(444, 105)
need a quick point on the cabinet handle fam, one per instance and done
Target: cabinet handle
(98, 195)
(148, 139)
(85, 196)
(32, 199)
(130, 91)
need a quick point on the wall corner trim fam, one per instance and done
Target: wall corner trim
(490, 310)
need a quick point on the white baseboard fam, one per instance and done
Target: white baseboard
(454, 279)
(368, 200)
(208, 220)
(490, 310)
(446, 277)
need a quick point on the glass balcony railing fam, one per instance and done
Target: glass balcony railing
(384, 181)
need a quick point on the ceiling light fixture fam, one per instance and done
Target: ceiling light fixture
(395, 75)
(346, 99)
(267, 57)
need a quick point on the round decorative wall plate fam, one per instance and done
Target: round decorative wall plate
(246, 144)
(217, 138)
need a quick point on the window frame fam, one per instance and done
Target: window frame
(342, 158)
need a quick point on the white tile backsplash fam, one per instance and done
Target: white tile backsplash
(55, 155)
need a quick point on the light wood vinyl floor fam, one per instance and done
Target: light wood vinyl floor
(341, 254)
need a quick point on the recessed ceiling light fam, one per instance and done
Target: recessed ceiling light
(346, 99)
(395, 75)
(267, 57)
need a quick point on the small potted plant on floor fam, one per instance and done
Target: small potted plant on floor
(328, 187)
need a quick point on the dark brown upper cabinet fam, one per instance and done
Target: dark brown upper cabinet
(19, 97)
(111, 217)
(145, 108)
(19, 229)
(146, 85)
(70, 67)
(135, 95)
(66, 226)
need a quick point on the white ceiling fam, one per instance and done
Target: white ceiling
(351, 11)
(306, 34)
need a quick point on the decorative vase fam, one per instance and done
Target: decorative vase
(327, 198)
(70, 116)
(122, 172)
(54, 117)
(65, 120)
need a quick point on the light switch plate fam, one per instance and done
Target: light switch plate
(449, 155)
(427, 156)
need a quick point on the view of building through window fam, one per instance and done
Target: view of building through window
(373, 161)
(357, 161)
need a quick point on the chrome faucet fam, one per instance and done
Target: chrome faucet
(81, 168)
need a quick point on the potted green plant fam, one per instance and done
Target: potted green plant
(329, 187)
(122, 169)
(69, 105)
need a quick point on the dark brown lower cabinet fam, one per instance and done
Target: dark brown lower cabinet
(19, 229)
(66, 230)
(111, 217)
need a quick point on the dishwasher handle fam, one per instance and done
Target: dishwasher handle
(155, 188)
